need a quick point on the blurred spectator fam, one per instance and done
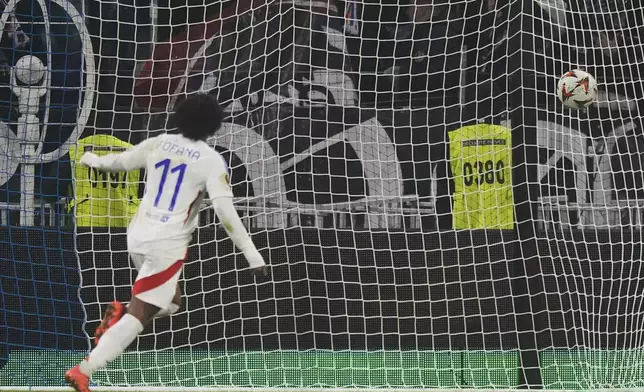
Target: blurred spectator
(121, 34)
(485, 37)
(369, 45)
(13, 29)
(420, 12)
(297, 56)
(427, 56)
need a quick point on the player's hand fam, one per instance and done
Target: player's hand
(260, 271)
(256, 261)
(89, 159)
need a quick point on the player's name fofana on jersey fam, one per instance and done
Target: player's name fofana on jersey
(169, 146)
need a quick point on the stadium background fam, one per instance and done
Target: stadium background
(43, 316)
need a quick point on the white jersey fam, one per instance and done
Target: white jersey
(178, 173)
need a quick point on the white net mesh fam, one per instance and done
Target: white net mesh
(433, 216)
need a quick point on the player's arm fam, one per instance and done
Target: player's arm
(134, 158)
(221, 197)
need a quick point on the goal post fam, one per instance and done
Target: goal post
(433, 216)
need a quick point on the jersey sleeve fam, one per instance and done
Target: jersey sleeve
(134, 158)
(133, 184)
(218, 182)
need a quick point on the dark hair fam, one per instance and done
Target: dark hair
(198, 117)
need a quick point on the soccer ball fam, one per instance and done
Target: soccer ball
(29, 69)
(577, 89)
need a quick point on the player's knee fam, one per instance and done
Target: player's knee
(141, 310)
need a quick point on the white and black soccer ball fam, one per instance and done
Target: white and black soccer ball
(577, 89)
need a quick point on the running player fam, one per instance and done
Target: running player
(180, 169)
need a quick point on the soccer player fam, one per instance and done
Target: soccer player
(180, 168)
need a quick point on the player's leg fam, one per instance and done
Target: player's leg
(142, 311)
(113, 343)
(116, 309)
(174, 306)
(155, 289)
(114, 339)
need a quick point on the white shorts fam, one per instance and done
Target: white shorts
(157, 280)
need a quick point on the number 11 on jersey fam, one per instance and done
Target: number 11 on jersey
(181, 169)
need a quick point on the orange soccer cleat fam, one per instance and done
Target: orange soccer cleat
(113, 314)
(77, 380)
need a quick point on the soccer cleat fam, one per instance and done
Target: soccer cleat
(113, 314)
(77, 380)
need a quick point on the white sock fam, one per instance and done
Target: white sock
(112, 344)
(168, 310)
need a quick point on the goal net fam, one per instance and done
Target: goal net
(432, 214)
